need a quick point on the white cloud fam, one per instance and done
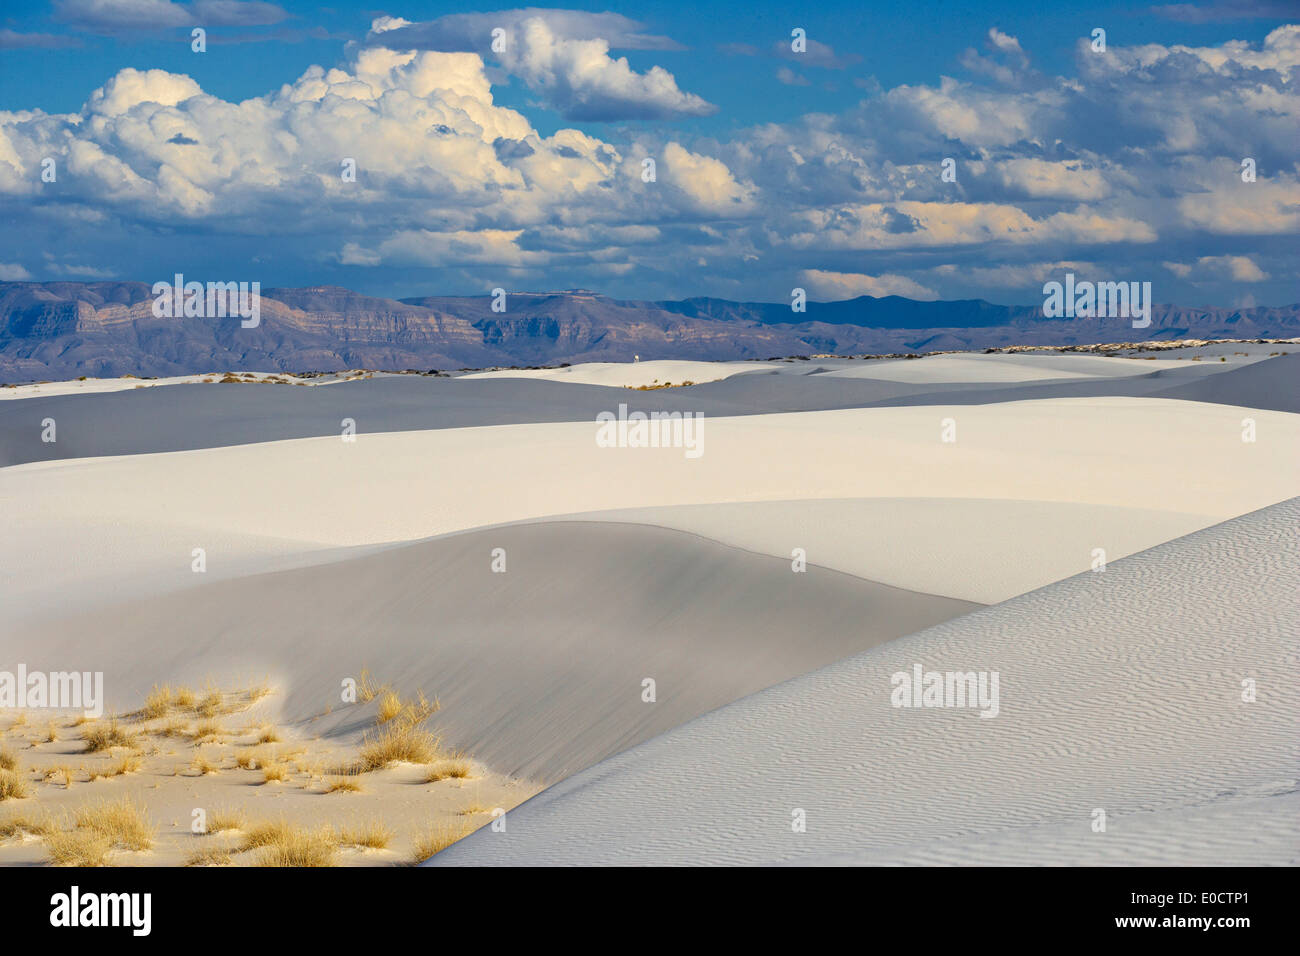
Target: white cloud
(831, 286)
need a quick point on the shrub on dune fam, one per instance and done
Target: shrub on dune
(398, 741)
(12, 786)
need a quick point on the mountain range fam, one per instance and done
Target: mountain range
(60, 330)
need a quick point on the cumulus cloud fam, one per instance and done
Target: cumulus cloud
(563, 55)
(1132, 164)
(1235, 268)
(832, 286)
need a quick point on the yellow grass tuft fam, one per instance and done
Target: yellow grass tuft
(8, 759)
(51, 732)
(220, 821)
(208, 728)
(122, 822)
(390, 705)
(18, 825)
(106, 736)
(455, 767)
(398, 741)
(77, 847)
(157, 702)
(275, 772)
(12, 786)
(436, 839)
(268, 735)
(212, 856)
(283, 844)
(184, 697)
(372, 834)
(346, 783)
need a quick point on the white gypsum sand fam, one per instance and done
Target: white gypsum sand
(1123, 692)
(1124, 457)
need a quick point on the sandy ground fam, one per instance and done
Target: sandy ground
(1120, 692)
(174, 777)
(192, 417)
(323, 557)
(130, 524)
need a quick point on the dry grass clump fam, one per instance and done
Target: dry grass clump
(208, 728)
(127, 763)
(283, 844)
(454, 767)
(251, 760)
(18, 825)
(398, 741)
(474, 809)
(212, 856)
(209, 705)
(174, 728)
(346, 783)
(8, 759)
(268, 735)
(158, 702)
(184, 697)
(390, 706)
(77, 847)
(204, 766)
(220, 821)
(122, 822)
(436, 839)
(51, 732)
(12, 786)
(106, 736)
(367, 689)
(277, 772)
(372, 834)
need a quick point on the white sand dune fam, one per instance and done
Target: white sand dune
(1151, 456)
(966, 367)
(631, 374)
(539, 669)
(99, 386)
(1119, 692)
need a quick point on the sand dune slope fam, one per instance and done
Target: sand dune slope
(1120, 691)
(1144, 455)
(539, 669)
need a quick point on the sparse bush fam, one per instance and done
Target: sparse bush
(372, 834)
(106, 736)
(456, 767)
(12, 786)
(77, 847)
(436, 839)
(157, 703)
(405, 742)
(122, 822)
(212, 856)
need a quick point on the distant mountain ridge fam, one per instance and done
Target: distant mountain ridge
(58, 330)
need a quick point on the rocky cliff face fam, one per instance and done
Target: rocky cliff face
(65, 329)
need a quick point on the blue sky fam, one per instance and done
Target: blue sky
(524, 168)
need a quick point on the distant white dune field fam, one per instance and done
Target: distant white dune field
(1128, 473)
(1147, 716)
(631, 374)
(971, 368)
